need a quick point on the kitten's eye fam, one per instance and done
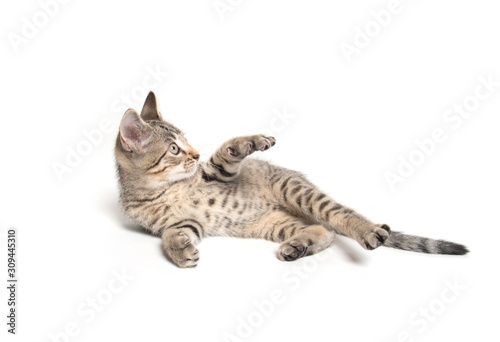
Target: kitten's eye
(174, 149)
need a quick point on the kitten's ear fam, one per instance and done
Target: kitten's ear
(135, 134)
(150, 108)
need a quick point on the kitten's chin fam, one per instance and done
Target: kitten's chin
(181, 175)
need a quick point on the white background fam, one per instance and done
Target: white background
(351, 123)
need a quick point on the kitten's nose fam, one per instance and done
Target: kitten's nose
(194, 154)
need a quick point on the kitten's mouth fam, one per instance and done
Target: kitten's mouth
(191, 168)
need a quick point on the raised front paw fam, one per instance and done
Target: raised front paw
(182, 252)
(244, 146)
(375, 237)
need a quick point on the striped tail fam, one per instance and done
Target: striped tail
(424, 245)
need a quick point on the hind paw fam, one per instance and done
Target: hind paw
(376, 237)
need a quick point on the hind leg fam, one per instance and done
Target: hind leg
(297, 237)
(300, 196)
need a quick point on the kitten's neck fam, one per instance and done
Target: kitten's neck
(132, 185)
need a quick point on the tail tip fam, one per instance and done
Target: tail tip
(454, 249)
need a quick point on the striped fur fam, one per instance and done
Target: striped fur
(165, 188)
(424, 245)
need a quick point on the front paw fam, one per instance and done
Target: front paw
(182, 252)
(244, 146)
(376, 237)
(292, 250)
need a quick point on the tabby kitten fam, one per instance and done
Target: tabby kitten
(168, 190)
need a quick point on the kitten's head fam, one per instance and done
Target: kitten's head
(151, 151)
